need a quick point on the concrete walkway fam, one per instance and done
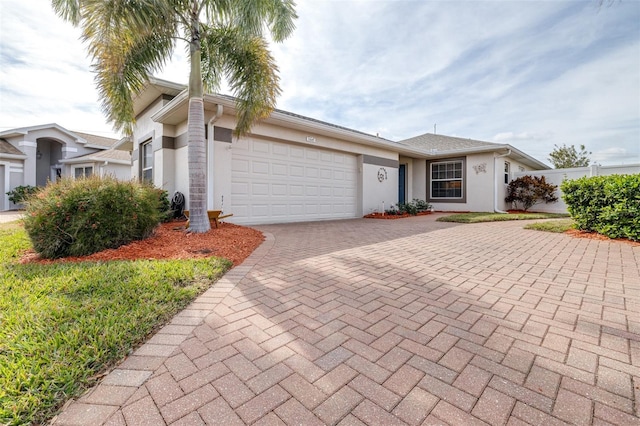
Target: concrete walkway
(398, 322)
(10, 216)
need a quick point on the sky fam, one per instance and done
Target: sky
(532, 74)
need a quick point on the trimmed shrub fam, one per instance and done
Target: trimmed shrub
(20, 194)
(408, 208)
(413, 207)
(527, 191)
(83, 216)
(609, 205)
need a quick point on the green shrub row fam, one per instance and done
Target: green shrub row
(77, 217)
(413, 207)
(609, 205)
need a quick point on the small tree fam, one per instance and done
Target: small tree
(527, 191)
(566, 157)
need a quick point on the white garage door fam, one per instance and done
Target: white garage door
(273, 182)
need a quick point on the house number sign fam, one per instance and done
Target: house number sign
(382, 174)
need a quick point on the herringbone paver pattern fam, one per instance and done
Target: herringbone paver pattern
(402, 322)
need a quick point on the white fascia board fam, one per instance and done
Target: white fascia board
(82, 160)
(124, 144)
(22, 131)
(14, 156)
(527, 159)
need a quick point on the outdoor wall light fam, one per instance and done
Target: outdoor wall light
(38, 154)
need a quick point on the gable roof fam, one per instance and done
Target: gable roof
(25, 130)
(441, 146)
(432, 142)
(7, 148)
(96, 141)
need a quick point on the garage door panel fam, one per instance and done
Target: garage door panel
(279, 169)
(312, 172)
(260, 167)
(296, 210)
(280, 149)
(296, 152)
(279, 189)
(258, 189)
(326, 174)
(296, 190)
(291, 183)
(260, 147)
(279, 210)
(296, 171)
(240, 188)
(240, 166)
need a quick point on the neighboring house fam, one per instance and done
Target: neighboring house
(38, 154)
(291, 168)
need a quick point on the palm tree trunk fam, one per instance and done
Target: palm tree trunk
(197, 158)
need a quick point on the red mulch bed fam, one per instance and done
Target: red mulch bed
(171, 241)
(392, 216)
(595, 236)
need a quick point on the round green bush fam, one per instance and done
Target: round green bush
(78, 217)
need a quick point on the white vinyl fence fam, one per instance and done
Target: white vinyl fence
(556, 176)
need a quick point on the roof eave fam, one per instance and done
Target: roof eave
(175, 112)
(124, 144)
(13, 156)
(516, 153)
(22, 131)
(80, 160)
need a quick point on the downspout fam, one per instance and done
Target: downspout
(210, 156)
(104, 168)
(496, 182)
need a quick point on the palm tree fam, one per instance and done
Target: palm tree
(129, 40)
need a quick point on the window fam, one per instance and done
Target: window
(146, 150)
(447, 179)
(507, 172)
(81, 172)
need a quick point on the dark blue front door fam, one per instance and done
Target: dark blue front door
(402, 190)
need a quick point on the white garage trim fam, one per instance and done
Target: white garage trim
(275, 182)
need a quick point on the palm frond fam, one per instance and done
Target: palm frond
(127, 40)
(250, 69)
(253, 16)
(69, 10)
(122, 67)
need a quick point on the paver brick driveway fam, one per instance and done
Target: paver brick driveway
(395, 322)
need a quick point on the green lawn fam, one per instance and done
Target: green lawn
(495, 217)
(62, 324)
(559, 226)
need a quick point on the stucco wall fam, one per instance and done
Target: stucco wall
(144, 130)
(371, 192)
(485, 189)
(379, 187)
(418, 177)
(118, 171)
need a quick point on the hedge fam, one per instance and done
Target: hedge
(609, 205)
